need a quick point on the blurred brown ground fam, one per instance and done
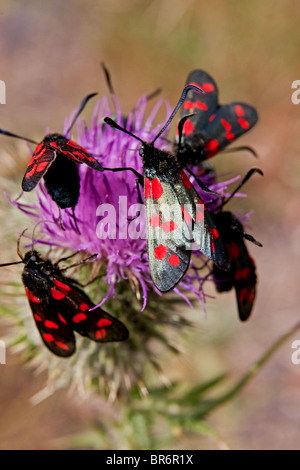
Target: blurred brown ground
(49, 59)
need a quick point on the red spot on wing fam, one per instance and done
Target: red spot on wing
(62, 319)
(103, 322)
(100, 334)
(51, 324)
(56, 294)
(79, 317)
(73, 144)
(157, 188)
(239, 111)
(251, 296)
(30, 172)
(53, 144)
(37, 317)
(243, 294)
(79, 154)
(174, 261)
(38, 148)
(160, 252)
(242, 273)
(83, 307)
(226, 125)
(155, 220)
(62, 345)
(214, 233)
(229, 136)
(31, 161)
(208, 87)
(32, 297)
(185, 179)
(202, 106)
(211, 145)
(186, 216)
(40, 154)
(41, 166)
(189, 105)
(48, 337)
(212, 117)
(169, 226)
(188, 127)
(213, 246)
(147, 188)
(199, 216)
(61, 286)
(243, 123)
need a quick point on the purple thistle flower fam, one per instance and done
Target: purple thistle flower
(127, 287)
(123, 257)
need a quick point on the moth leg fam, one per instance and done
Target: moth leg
(201, 267)
(137, 174)
(244, 180)
(202, 186)
(60, 220)
(138, 182)
(87, 283)
(18, 245)
(246, 148)
(75, 221)
(20, 195)
(64, 268)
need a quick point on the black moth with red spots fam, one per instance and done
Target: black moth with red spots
(242, 275)
(176, 216)
(211, 127)
(60, 308)
(56, 159)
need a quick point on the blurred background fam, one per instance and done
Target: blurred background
(49, 59)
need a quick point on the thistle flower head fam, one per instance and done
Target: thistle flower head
(107, 223)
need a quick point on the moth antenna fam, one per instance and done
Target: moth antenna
(64, 268)
(181, 99)
(252, 239)
(16, 136)
(154, 94)
(34, 229)
(18, 245)
(107, 78)
(81, 108)
(246, 148)
(114, 125)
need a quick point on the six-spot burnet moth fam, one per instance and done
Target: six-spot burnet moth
(60, 307)
(167, 190)
(55, 159)
(242, 273)
(208, 126)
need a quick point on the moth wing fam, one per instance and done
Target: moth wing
(230, 122)
(96, 324)
(37, 166)
(75, 152)
(168, 248)
(53, 327)
(244, 280)
(203, 228)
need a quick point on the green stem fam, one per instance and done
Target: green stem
(252, 371)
